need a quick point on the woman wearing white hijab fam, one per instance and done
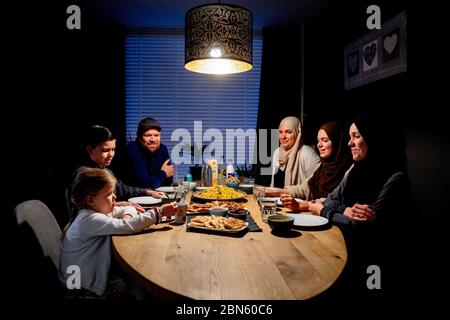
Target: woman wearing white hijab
(292, 162)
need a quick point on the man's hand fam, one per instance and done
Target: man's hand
(168, 168)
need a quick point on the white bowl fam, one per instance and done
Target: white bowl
(192, 185)
(218, 211)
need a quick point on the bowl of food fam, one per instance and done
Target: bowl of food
(280, 223)
(232, 182)
(239, 214)
(218, 211)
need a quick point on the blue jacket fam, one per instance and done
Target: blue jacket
(146, 167)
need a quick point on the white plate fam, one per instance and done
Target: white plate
(279, 203)
(307, 220)
(166, 189)
(201, 188)
(145, 200)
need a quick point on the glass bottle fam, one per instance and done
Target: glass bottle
(206, 175)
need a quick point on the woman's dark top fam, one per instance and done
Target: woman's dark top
(278, 179)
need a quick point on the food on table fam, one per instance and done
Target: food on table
(220, 192)
(232, 179)
(200, 207)
(218, 222)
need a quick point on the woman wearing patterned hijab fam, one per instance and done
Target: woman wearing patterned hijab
(293, 162)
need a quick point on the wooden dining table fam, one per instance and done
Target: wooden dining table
(173, 263)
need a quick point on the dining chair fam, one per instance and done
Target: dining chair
(44, 225)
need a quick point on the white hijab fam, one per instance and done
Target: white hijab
(290, 159)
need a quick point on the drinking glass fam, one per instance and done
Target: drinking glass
(180, 194)
(258, 192)
(268, 208)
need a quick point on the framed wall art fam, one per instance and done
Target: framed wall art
(377, 55)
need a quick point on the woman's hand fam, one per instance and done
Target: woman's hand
(292, 203)
(315, 206)
(138, 207)
(360, 212)
(288, 202)
(155, 194)
(275, 192)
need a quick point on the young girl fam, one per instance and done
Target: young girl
(86, 242)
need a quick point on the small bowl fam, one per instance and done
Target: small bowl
(192, 186)
(247, 188)
(232, 184)
(238, 215)
(218, 211)
(280, 223)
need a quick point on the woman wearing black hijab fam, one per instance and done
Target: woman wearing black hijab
(373, 202)
(378, 179)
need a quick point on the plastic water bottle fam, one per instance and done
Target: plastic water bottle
(230, 170)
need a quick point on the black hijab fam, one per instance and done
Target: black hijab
(385, 156)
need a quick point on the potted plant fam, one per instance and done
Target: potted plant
(244, 171)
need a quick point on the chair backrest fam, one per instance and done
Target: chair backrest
(41, 220)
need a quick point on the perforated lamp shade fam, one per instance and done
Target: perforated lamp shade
(218, 39)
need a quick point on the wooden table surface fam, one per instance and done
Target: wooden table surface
(173, 263)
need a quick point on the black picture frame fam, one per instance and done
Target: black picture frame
(377, 55)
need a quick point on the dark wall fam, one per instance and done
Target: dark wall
(414, 99)
(411, 98)
(61, 82)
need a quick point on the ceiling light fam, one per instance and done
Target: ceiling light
(218, 39)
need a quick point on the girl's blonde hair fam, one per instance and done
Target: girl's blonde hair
(88, 182)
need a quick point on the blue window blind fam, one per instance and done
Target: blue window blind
(158, 85)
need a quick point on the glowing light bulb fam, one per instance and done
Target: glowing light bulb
(215, 53)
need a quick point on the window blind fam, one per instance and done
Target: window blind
(158, 86)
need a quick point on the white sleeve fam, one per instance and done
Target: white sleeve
(119, 211)
(98, 224)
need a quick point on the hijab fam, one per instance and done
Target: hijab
(332, 169)
(385, 156)
(290, 159)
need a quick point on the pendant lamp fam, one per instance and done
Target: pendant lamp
(218, 39)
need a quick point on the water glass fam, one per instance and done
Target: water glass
(258, 192)
(268, 208)
(180, 214)
(180, 194)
